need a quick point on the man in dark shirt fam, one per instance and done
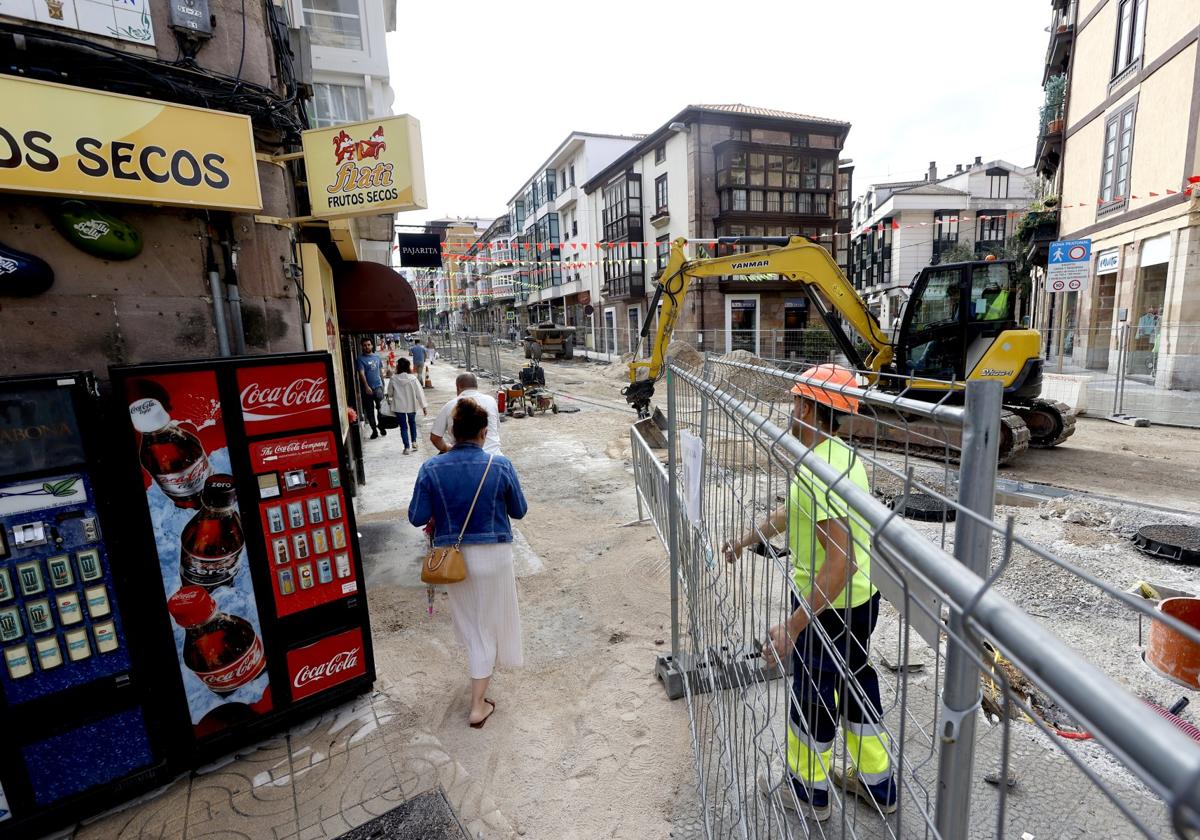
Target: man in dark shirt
(418, 360)
(370, 381)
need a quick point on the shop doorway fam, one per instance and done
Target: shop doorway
(1100, 338)
(741, 323)
(1147, 329)
(795, 321)
(634, 313)
(610, 330)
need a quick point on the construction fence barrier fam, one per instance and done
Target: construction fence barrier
(985, 719)
(1146, 370)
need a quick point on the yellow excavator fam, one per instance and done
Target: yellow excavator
(958, 324)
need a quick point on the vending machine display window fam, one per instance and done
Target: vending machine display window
(308, 518)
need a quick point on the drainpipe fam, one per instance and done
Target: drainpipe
(218, 299)
(229, 252)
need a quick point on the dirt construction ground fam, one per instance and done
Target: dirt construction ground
(1159, 465)
(584, 743)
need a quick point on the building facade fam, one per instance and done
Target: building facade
(443, 293)
(1125, 159)
(712, 171)
(157, 304)
(901, 227)
(552, 225)
(345, 42)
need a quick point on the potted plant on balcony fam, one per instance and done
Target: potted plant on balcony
(1052, 111)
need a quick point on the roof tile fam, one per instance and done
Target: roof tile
(750, 110)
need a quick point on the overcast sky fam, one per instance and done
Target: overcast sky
(497, 85)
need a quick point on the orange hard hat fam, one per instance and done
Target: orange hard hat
(835, 378)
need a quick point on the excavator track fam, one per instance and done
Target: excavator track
(1049, 422)
(889, 432)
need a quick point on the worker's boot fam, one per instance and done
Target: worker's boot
(883, 795)
(810, 803)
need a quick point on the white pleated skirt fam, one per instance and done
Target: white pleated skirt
(484, 609)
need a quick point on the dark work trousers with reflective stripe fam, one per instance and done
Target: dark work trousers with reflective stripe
(820, 697)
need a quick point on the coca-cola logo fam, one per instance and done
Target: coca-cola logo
(339, 662)
(238, 673)
(303, 393)
(279, 397)
(323, 664)
(294, 447)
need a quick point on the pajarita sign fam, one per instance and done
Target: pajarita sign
(364, 169)
(68, 141)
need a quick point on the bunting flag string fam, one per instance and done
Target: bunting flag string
(472, 252)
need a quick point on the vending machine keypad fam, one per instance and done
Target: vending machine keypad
(58, 624)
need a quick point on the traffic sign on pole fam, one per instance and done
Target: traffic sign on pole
(1069, 265)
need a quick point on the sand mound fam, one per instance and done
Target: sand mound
(748, 382)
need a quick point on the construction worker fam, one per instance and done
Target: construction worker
(831, 572)
(996, 300)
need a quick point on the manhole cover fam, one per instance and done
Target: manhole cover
(923, 507)
(426, 816)
(1180, 543)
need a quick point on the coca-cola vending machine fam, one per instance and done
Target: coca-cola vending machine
(243, 474)
(79, 728)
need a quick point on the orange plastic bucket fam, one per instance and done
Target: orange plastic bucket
(1167, 650)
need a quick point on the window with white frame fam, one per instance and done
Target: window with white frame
(334, 104)
(334, 23)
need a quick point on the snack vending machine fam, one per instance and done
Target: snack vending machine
(79, 731)
(242, 471)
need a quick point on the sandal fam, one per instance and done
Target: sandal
(479, 724)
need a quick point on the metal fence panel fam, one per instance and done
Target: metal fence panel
(732, 461)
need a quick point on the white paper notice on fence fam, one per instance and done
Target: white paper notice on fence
(691, 451)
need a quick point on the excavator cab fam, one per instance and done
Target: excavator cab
(960, 323)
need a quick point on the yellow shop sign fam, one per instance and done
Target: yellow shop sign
(69, 141)
(365, 168)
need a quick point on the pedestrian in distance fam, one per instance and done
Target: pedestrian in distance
(442, 435)
(370, 384)
(419, 355)
(405, 395)
(831, 587)
(474, 493)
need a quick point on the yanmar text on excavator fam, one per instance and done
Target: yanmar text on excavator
(959, 324)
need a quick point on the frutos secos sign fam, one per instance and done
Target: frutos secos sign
(63, 140)
(365, 168)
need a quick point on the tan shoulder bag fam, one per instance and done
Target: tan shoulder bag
(447, 564)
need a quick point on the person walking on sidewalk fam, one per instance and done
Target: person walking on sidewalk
(831, 576)
(419, 355)
(442, 435)
(483, 606)
(370, 381)
(405, 395)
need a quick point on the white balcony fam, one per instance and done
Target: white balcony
(566, 198)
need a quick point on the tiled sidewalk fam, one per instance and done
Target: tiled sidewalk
(319, 780)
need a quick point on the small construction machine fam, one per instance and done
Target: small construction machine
(958, 325)
(529, 394)
(551, 338)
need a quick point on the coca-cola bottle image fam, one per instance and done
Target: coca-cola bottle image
(172, 455)
(223, 650)
(210, 547)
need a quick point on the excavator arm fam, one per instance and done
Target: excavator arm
(794, 258)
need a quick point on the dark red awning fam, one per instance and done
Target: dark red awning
(372, 298)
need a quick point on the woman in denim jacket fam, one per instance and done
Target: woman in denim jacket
(484, 606)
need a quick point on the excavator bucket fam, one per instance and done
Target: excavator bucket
(653, 429)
